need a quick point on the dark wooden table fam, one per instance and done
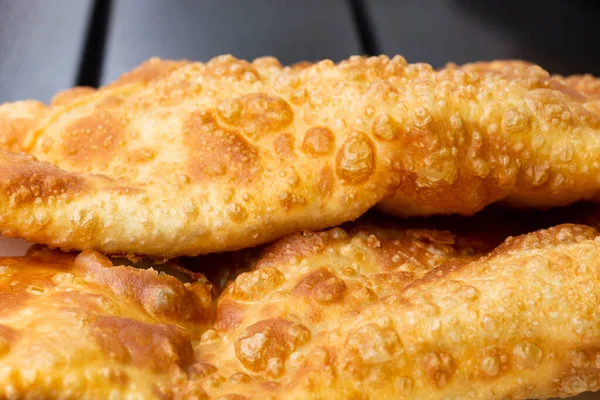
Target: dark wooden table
(46, 46)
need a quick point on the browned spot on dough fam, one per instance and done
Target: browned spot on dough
(127, 190)
(290, 198)
(236, 212)
(300, 245)
(266, 345)
(355, 160)
(301, 65)
(439, 367)
(94, 138)
(201, 370)
(326, 181)
(14, 297)
(322, 286)
(391, 282)
(142, 155)
(24, 179)
(493, 361)
(386, 127)
(149, 71)
(284, 146)
(26, 272)
(417, 247)
(155, 346)
(110, 102)
(87, 302)
(8, 335)
(161, 295)
(318, 141)
(440, 272)
(233, 396)
(217, 152)
(257, 113)
(228, 315)
(516, 120)
(68, 96)
(255, 284)
(371, 347)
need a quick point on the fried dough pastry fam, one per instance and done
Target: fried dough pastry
(334, 273)
(309, 282)
(510, 134)
(518, 323)
(371, 310)
(78, 327)
(178, 158)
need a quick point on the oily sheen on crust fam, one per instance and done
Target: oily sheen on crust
(180, 158)
(308, 283)
(517, 323)
(370, 310)
(77, 327)
(81, 326)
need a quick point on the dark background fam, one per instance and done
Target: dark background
(49, 45)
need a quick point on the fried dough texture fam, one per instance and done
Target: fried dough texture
(77, 327)
(586, 84)
(315, 280)
(369, 310)
(179, 158)
(512, 135)
(519, 322)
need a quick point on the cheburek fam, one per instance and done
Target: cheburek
(516, 323)
(370, 310)
(310, 282)
(77, 327)
(179, 158)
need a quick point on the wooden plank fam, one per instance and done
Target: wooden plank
(556, 35)
(40, 46)
(291, 30)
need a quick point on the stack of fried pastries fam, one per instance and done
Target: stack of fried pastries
(207, 238)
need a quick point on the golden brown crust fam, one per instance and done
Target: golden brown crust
(333, 274)
(373, 310)
(307, 284)
(200, 158)
(510, 128)
(525, 312)
(77, 327)
(517, 323)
